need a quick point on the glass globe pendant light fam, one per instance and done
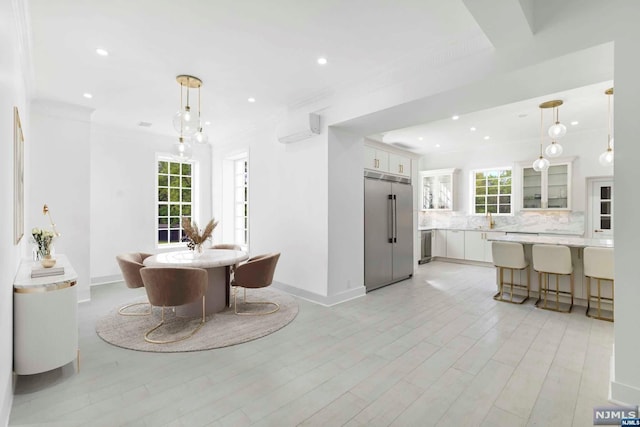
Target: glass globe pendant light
(186, 121)
(541, 164)
(558, 130)
(606, 158)
(182, 150)
(200, 137)
(554, 149)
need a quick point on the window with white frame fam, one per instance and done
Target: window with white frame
(241, 201)
(492, 191)
(174, 198)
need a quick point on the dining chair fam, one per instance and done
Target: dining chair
(257, 272)
(130, 265)
(171, 287)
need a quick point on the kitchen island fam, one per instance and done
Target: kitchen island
(575, 244)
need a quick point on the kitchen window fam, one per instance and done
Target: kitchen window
(492, 191)
(174, 198)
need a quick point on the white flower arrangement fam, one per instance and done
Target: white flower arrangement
(43, 238)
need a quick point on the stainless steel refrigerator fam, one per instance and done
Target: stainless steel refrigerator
(388, 232)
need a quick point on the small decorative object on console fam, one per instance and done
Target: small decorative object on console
(44, 240)
(193, 236)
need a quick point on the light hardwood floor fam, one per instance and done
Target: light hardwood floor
(432, 350)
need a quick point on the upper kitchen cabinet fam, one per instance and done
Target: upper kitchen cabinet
(399, 165)
(376, 159)
(550, 189)
(437, 189)
(384, 161)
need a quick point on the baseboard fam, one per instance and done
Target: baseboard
(326, 301)
(104, 280)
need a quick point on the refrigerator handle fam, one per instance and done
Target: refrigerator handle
(395, 219)
(390, 218)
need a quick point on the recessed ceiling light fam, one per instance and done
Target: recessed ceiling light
(322, 61)
(420, 138)
(575, 123)
(87, 95)
(102, 52)
(455, 117)
(522, 115)
(487, 137)
(251, 100)
(437, 145)
(472, 128)
(208, 123)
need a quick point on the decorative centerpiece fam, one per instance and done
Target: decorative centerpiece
(44, 240)
(193, 236)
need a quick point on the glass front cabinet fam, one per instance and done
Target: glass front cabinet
(550, 189)
(437, 189)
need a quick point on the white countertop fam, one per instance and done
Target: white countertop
(210, 258)
(509, 229)
(24, 281)
(576, 242)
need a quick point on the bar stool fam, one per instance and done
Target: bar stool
(598, 264)
(510, 256)
(552, 259)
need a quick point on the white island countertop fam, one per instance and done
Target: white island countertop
(576, 242)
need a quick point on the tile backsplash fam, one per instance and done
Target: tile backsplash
(534, 221)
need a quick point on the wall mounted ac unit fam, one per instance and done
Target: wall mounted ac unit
(299, 127)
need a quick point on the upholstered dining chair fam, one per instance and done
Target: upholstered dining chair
(257, 272)
(171, 287)
(130, 265)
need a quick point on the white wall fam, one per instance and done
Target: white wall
(13, 92)
(625, 386)
(59, 177)
(585, 147)
(123, 185)
(287, 205)
(345, 215)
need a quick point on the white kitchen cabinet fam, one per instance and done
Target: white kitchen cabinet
(550, 189)
(399, 165)
(474, 245)
(455, 244)
(376, 159)
(477, 246)
(439, 243)
(437, 189)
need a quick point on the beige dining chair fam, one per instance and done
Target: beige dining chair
(257, 272)
(171, 287)
(130, 265)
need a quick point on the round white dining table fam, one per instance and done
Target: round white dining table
(217, 262)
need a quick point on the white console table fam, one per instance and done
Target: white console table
(45, 319)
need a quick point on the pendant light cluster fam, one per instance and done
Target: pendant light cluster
(555, 132)
(187, 122)
(606, 158)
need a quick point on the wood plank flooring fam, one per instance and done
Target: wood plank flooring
(435, 350)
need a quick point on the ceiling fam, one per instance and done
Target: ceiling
(516, 122)
(240, 49)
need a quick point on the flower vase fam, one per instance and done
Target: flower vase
(48, 261)
(197, 250)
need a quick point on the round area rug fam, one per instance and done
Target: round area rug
(220, 330)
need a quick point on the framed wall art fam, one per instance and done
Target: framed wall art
(18, 177)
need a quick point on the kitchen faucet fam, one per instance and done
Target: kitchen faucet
(491, 221)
